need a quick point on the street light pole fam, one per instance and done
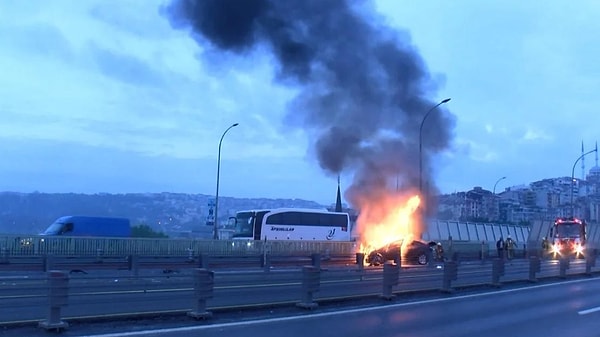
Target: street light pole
(494, 192)
(495, 200)
(573, 179)
(421, 144)
(215, 229)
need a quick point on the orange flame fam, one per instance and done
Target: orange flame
(386, 220)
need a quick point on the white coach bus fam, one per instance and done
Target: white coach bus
(292, 224)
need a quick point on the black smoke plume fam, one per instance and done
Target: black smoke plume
(363, 88)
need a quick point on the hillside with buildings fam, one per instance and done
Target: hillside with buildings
(190, 215)
(174, 214)
(546, 199)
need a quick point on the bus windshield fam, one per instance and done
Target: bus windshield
(244, 225)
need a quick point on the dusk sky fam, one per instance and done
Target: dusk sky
(111, 96)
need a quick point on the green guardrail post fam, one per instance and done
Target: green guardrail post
(48, 262)
(203, 261)
(99, 254)
(190, 255)
(265, 261)
(450, 274)
(315, 259)
(58, 295)
(482, 254)
(134, 264)
(391, 274)
(564, 264)
(311, 282)
(535, 265)
(3, 255)
(360, 261)
(497, 271)
(204, 283)
(590, 260)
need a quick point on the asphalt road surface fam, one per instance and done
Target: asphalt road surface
(566, 308)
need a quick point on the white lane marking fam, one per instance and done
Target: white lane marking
(335, 313)
(588, 311)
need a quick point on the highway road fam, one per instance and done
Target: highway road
(570, 308)
(154, 292)
(557, 309)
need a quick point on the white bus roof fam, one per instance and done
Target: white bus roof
(291, 209)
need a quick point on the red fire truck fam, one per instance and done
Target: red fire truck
(567, 237)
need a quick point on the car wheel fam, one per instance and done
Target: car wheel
(376, 260)
(422, 259)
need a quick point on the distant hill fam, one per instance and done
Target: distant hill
(170, 213)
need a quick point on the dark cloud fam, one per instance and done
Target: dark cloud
(363, 88)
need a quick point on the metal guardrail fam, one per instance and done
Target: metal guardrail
(82, 246)
(53, 299)
(137, 263)
(11, 245)
(448, 232)
(437, 230)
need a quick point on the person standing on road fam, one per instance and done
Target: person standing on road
(510, 247)
(439, 252)
(545, 246)
(500, 247)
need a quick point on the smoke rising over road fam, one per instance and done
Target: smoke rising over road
(363, 89)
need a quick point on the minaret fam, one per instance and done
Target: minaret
(596, 153)
(338, 200)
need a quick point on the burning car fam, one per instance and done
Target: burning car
(415, 252)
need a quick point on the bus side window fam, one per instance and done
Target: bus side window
(275, 219)
(291, 218)
(310, 219)
(328, 220)
(341, 221)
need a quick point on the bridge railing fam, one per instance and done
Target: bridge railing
(42, 245)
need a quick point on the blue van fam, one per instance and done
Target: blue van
(89, 226)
